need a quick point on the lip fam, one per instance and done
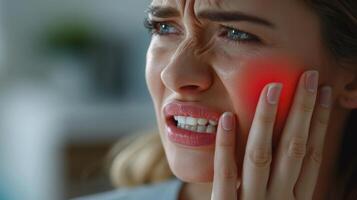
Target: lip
(186, 137)
(190, 109)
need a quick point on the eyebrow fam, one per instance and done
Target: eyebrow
(230, 16)
(163, 12)
(212, 15)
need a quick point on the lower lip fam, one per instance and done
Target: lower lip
(189, 138)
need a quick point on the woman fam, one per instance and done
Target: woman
(201, 72)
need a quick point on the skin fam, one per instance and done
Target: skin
(194, 63)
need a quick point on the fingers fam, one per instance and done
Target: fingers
(225, 169)
(292, 146)
(258, 155)
(305, 185)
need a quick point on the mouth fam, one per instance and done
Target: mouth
(198, 125)
(191, 124)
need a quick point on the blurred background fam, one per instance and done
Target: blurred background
(72, 84)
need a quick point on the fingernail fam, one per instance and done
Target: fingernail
(273, 93)
(312, 80)
(325, 96)
(227, 121)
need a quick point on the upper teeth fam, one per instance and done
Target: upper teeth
(196, 124)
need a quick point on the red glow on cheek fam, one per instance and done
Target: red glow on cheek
(258, 73)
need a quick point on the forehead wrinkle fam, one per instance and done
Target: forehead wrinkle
(211, 3)
(190, 4)
(191, 17)
(205, 47)
(181, 4)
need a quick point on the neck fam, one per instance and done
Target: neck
(196, 191)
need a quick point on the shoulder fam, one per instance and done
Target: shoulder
(167, 190)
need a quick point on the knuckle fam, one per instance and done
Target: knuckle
(226, 144)
(297, 148)
(227, 172)
(309, 95)
(260, 158)
(306, 107)
(266, 119)
(322, 120)
(315, 155)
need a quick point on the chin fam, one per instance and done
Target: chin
(190, 165)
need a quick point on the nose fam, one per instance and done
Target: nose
(187, 73)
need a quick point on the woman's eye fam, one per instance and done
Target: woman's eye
(160, 28)
(235, 35)
(164, 29)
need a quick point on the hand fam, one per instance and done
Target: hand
(299, 153)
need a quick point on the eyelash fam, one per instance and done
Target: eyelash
(152, 27)
(225, 32)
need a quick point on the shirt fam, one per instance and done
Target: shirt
(168, 190)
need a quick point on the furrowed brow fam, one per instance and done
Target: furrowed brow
(212, 15)
(230, 16)
(163, 12)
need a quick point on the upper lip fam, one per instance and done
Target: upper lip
(192, 109)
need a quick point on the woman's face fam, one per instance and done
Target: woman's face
(198, 56)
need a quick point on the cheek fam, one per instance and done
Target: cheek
(249, 81)
(155, 60)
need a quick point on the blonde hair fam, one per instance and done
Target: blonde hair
(138, 160)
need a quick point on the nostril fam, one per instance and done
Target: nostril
(190, 87)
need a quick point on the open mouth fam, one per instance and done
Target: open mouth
(191, 124)
(198, 125)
